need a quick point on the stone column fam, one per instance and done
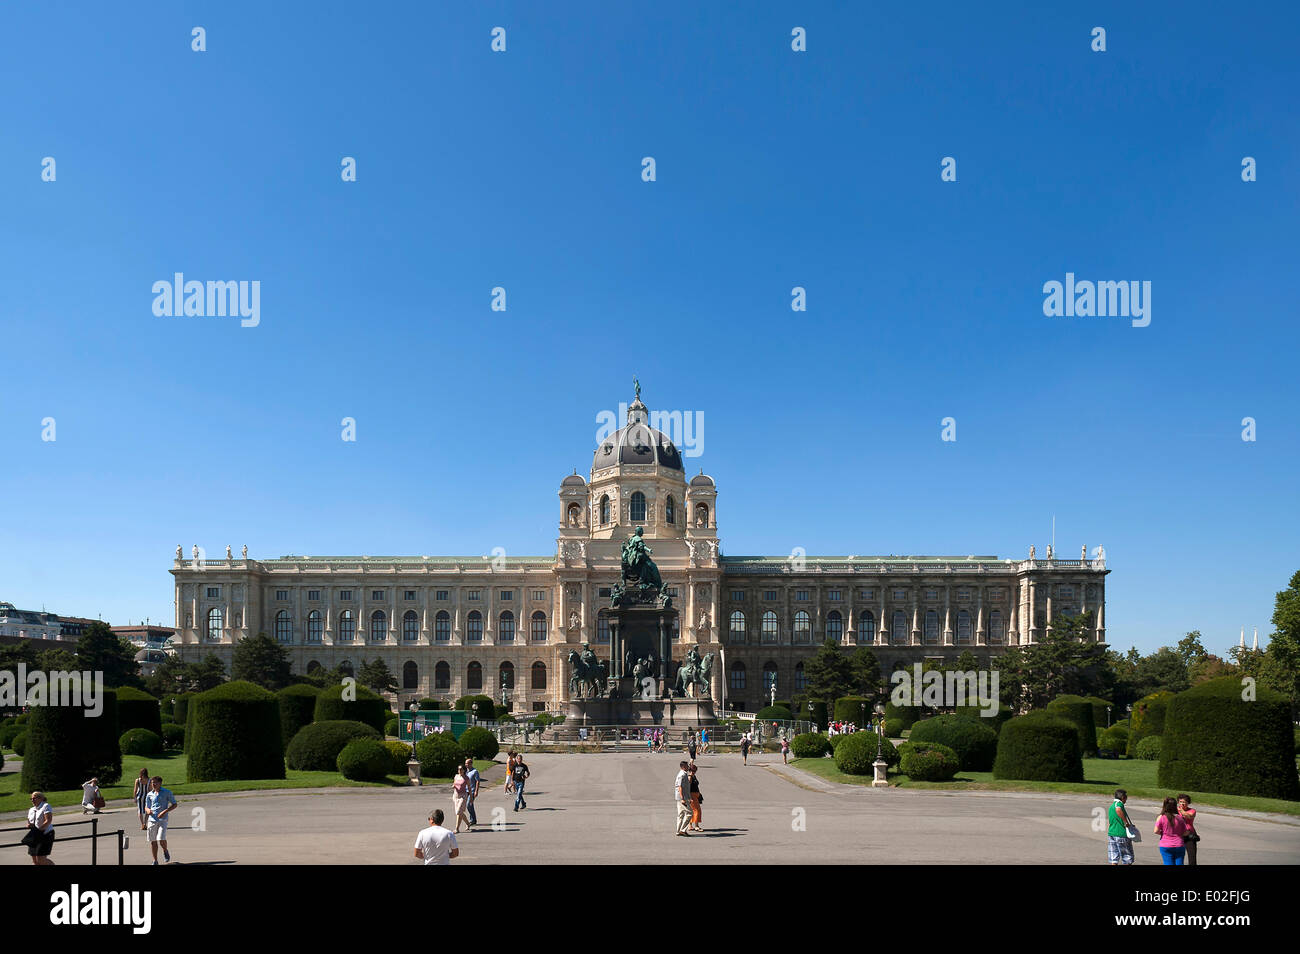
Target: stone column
(981, 637)
(947, 616)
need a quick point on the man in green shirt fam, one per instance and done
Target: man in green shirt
(1119, 844)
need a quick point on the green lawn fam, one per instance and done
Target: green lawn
(1103, 776)
(172, 768)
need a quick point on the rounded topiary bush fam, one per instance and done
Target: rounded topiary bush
(810, 745)
(994, 721)
(7, 734)
(138, 710)
(364, 706)
(774, 714)
(1148, 749)
(849, 709)
(297, 709)
(1079, 711)
(181, 708)
(173, 735)
(1041, 746)
(141, 742)
(234, 733)
(1114, 740)
(364, 760)
(399, 753)
(976, 744)
(907, 714)
(1148, 719)
(487, 709)
(1216, 741)
(479, 743)
(434, 704)
(928, 761)
(894, 728)
(856, 753)
(392, 727)
(316, 747)
(65, 745)
(19, 744)
(1297, 741)
(22, 718)
(439, 754)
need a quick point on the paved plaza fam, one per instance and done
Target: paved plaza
(618, 807)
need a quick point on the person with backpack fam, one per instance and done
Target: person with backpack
(744, 749)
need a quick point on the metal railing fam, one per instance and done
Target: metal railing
(94, 836)
(626, 738)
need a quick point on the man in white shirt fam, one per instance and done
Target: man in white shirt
(682, 792)
(435, 845)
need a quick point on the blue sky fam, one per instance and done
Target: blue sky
(522, 169)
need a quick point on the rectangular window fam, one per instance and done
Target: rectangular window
(377, 595)
(472, 596)
(672, 591)
(963, 595)
(900, 594)
(1066, 592)
(345, 596)
(996, 596)
(539, 595)
(440, 596)
(931, 594)
(738, 595)
(769, 595)
(408, 595)
(867, 595)
(833, 595)
(313, 596)
(606, 591)
(801, 596)
(214, 592)
(539, 706)
(282, 596)
(507, 596)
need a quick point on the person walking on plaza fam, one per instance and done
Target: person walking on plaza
(744, 749)
(785, 751)
(40, 830)
(697, 800)
(682, 793)
(472, 779)
(90, 797)
(459, 789)
(510, 769)
(158, 806)
(1171, 828)
(140, 793)
(704, 741)
(1119, 843)
(435, 845)
(690, 747)
(1188, 814)
(520, 777)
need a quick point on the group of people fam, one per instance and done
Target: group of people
(154, 805)
(465, 788)
(686, 792)
(841, 728)
(1176, 826)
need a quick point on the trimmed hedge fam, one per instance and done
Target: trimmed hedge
(1099, 707)
(814, 711)
(849, 709)
(928, 761)
(487, 709)
(7, 734)
(364, 760)
(138, 710)
(392, 727)
(316, 747)
(909, 714)
(994, 722)
(431, 703)
(774, 714)
(810, 745)
(400, 753)
(1079, 711)
(140, 742)
(1148, 718)
(439, 754)
(234, 733)
(368, 707)
(856, 754)
(173, 735)
(64, 747)
(1041, 746)
(1114, 739)
(19, 744)
(181, 708)
(297, 709)
(894, 728)
(1148, 750)
(479, 743)
(1215, 741)
(975, 744)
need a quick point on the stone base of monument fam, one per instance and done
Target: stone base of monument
(639, 713)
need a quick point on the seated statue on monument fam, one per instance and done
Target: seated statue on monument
(640, 584)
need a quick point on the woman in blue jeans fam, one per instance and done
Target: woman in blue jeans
(1171, 828)
(519, 775)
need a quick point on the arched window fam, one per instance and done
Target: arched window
(315, 627)
(963, 627)
(538, 632)
(670, 510)
(866, 628)
(995, 627)
(474, 677)
(378, 626)
(737, 627)
(701, 515)
(410, 626)
(575, 515)
(474, 627)
(604, 509)
(835, 626)
(506, 675)
(347, 627)
(769, 676)
(737, 681)
(602, 627)
(283, 627)
(931, 627)
(676, 633)
(506, 630)
(442, 677)
(800, 678)
(442, 627)
(313, 666)
(898, 632)
(539, 675)
(410, 675)
(215, 627)
(802, 627)
(636, 510)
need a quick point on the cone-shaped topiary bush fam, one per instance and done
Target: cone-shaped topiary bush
(1041, 746)
(234, 733)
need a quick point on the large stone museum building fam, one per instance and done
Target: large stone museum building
(453, 626)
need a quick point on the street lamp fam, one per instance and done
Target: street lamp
(880, 780)
(413, 766)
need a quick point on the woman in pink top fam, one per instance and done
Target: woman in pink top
(1171, 828)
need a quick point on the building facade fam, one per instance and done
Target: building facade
(453, 626)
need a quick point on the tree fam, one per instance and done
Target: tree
(830, 673)
(1190, 649)
(865, 670)
(174, 676)
(262, 661)
(1162, 671)
(101, 650)
(377, 676)
(1064, 661)
(207, 674)
(1282, 668)
(1209, 667)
